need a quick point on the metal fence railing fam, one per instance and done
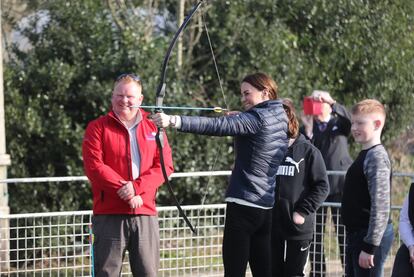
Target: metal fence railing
(57, 243)
(332, 244)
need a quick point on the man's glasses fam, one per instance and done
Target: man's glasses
(128, 75)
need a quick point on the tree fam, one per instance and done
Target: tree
(354, 49)
(357, 50)
(54, 89)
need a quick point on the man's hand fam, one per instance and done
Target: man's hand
(162, 120)
(298, 218)
(127, 191)
(135, 202)
(366, 260)
(323, 96)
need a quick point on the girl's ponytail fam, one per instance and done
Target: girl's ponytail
(293, 124)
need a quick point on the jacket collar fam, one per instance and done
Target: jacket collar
(112, 115)
(268, 103)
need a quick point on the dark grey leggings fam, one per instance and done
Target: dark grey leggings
(247, 240)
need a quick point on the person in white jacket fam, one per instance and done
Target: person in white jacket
(404, 259)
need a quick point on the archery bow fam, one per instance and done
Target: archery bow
(159, 104)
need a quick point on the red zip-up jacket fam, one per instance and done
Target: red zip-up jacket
(107, 160)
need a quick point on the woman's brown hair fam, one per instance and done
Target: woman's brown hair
(262, 81)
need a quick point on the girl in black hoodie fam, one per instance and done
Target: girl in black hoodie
(301, 188)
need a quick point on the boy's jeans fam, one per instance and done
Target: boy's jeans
(353, 249)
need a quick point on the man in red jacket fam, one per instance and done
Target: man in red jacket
(122, 162)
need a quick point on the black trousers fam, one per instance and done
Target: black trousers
(288, 256)
(247, 240)
(402, 266)
(317, 251)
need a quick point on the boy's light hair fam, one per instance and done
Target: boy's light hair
(369, 106)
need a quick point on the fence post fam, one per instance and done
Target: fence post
(4, 162)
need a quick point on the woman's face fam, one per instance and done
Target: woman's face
(251, 96)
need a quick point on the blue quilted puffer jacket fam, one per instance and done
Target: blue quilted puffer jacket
(260, 145)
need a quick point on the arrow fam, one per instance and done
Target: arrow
(214, 109)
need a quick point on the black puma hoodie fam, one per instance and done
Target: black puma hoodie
(301, 186)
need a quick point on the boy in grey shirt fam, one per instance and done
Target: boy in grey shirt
(366, 200)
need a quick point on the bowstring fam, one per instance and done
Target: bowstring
(214, 61)
(213, 166)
